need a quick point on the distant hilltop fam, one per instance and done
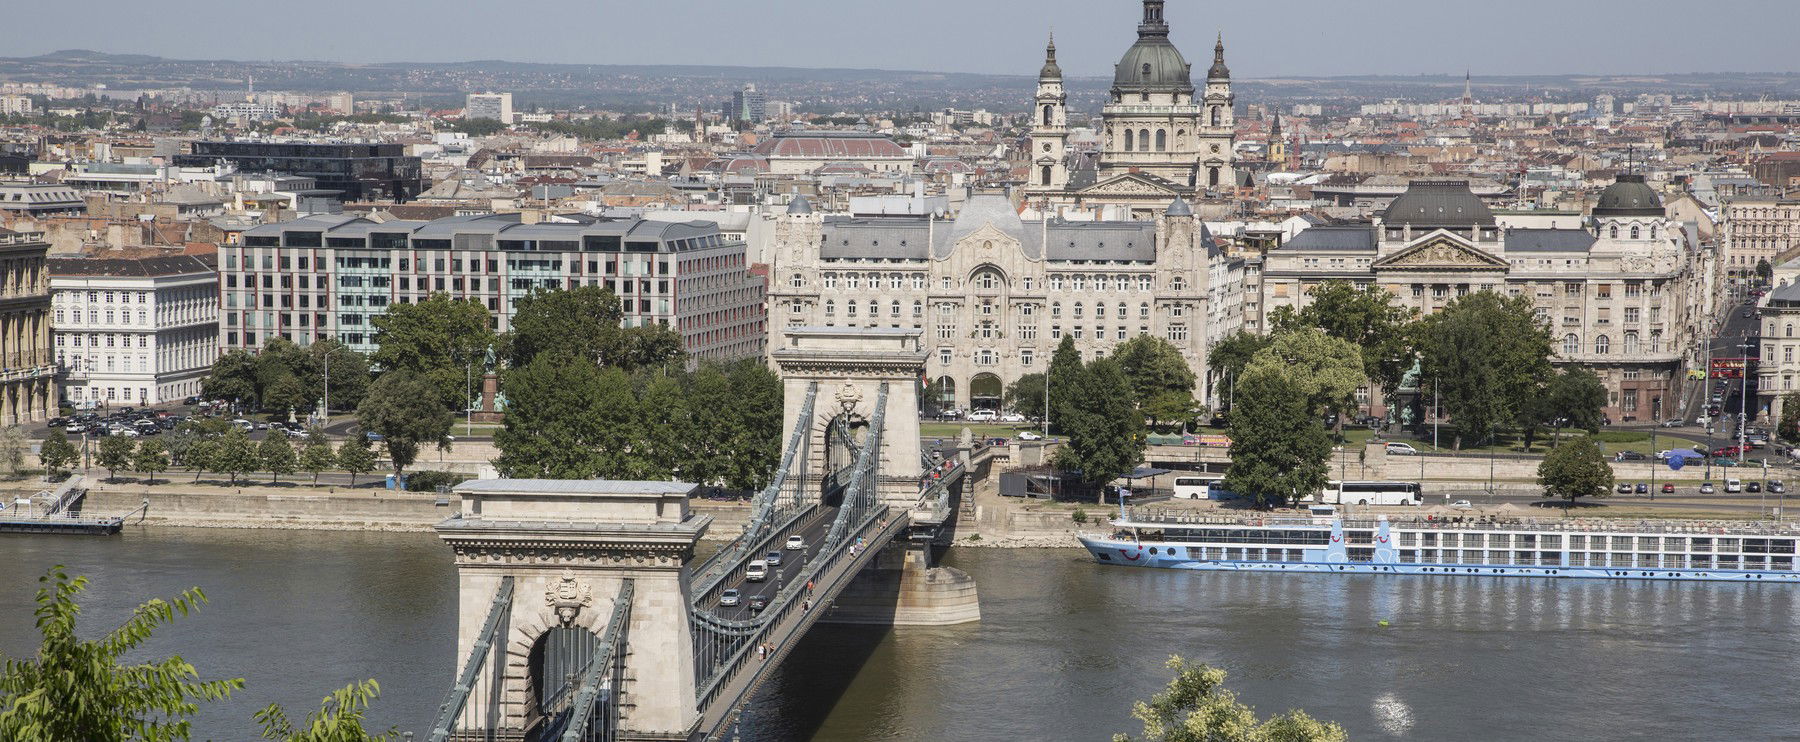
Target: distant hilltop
(847, 89)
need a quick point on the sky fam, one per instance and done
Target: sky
(1263, 39)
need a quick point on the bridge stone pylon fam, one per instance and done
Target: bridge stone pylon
(850, 364)
(568, 547)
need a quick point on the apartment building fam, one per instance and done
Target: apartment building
(331, 275)
(134, 331)
(1758, 230)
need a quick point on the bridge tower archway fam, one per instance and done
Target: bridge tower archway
(850, 364)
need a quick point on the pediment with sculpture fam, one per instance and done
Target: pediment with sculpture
(1129, 184)
(1441, 252)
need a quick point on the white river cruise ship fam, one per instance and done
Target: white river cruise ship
(1743, 551)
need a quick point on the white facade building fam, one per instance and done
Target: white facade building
(134, 331)
(496, 106)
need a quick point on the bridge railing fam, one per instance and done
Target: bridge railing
(767, 508)
(594, 715)
(736, 641)
(705, 590)
(483, 671)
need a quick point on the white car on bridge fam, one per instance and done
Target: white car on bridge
(796, 543)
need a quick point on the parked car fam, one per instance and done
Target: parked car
(1668, 488)
(1402, 449)
(1753, 486)
(1026, 435)
(730, 597)
(1462, 505)
(1733, 486)
(795, 542)
(1673, 422)
(1632, 456)
(1642, 488)
(1706, 488)
(1624, 488)
(1012, 417)
(983, 416)
(1776, 487)
(191, 401)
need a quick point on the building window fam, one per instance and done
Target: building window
(1123, 311)
(1571, 344)
(1631, 315)
(1178, 284)
(1056, 283)
(1634, 235)
(918, 282)
(894, 308)
(1178, 332)
(1613, 232)
(850, 281)
(796, 281)
(831, 280)
(984, 357)
(1602, 345)
(1631, 343)
(1077, 310)
(830, 308)
(1143, 283)
(918, 309)
(1056, 310)
(1144, 310)
(1026, 357)
(1078, 282)
(944, 356)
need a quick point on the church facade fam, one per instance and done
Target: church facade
(1161, 137)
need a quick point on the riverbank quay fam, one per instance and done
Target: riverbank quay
(298, 505)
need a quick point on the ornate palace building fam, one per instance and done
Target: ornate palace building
(27, 368)
(1161, 139)
(1621, 291)
(992, 294)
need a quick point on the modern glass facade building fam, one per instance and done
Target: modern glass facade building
(361, 172)
(329, 276)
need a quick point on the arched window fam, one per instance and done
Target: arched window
(1631, 343)
(1123, 311)
(1634, 231)
(1046, 114)
(1044, 174)
(1178, 284)
(1077, 310)
(1602, 345)
(1215, 115)
(1788, 331)
(1179, 134)
(1055, 309)
(1212, 176)
(830, 307)
(1571, 344)
(1613, 232)
(1144, 310)
(1162, 140)
(1144, 140)
(1128, 135)
(1656, 341)
(894, 308)
(1653, 231)
(796, 281)
(988, 279)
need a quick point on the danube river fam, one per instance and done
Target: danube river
(1063, 649)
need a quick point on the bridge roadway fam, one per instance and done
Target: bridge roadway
(792, 563)
(788, 629)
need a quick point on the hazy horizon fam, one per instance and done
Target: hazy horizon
(1305, 38)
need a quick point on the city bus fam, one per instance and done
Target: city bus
(1371, 493)
(1200, 487)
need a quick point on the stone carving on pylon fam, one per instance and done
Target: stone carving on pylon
(567, 597)
(848, 397)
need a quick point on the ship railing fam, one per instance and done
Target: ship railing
(1180, 518)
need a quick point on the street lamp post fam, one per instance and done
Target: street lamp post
(1743, 396)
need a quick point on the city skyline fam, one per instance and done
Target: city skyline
(1308, 38)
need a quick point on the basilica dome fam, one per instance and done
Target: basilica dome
(1629, 195)
(1153, 64)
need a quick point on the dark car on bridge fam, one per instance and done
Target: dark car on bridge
(758, 603)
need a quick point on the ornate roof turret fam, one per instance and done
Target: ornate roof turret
(1219, 71)
(1178, 207)
(1050, 70)
(800, 205)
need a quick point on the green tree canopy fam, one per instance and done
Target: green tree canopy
(13, 448)
(355, 457)
(1106, 431)
(404, 408)
(1788, 429)
(1369, 317)
(233, 377)
(232, 453)
(339, 719)
(1485, 354)
(1279, 447)
(277, 454)
(1196, 707)
(1230, 355)
(152, 458)
(56, 453)
(553, 427)
(1025, 395)
(1161, 380)
(1066, 378)
(316, 456)
(1325, 370)
(76, 689)
(115, 453)
(582, 321)
(1573, 398)
(1576, 468)
(442, 339)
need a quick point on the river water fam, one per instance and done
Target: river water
(1063, 649)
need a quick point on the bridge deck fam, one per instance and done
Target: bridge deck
(828, 583)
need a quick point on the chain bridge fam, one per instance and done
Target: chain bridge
(584, 615)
